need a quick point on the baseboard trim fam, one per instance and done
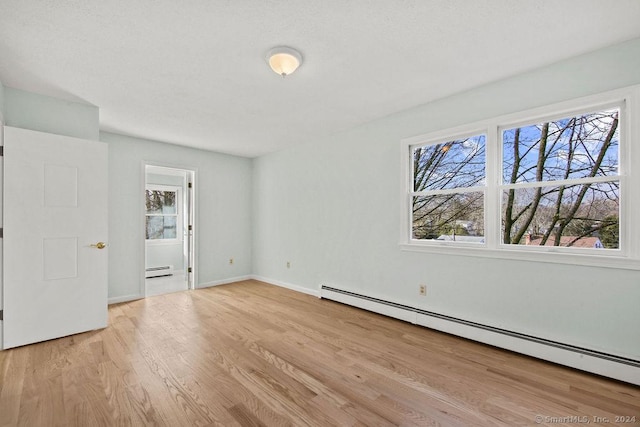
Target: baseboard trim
(224, 281)
(301, 289)
(124, 298)
(590, 361)
(133, 297)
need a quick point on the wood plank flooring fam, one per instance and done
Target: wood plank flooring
(251, 354)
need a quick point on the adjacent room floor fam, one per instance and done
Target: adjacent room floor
(165, 284)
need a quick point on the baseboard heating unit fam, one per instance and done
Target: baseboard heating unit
(165, 270)
(597, 362)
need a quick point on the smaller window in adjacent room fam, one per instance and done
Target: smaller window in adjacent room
(448, 190)
(162, 213)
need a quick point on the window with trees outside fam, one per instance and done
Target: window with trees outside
(537, 182)
(561, 185)
(162, 212)
(448, 190)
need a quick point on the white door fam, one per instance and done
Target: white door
(55, 223)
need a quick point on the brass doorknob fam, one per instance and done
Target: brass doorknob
(99, 245)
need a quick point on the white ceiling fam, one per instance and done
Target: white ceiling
(193, 72)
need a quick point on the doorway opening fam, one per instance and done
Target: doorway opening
(169, 229)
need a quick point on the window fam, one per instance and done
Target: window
(163, 213)
(551, 181)
(448, 190)
(560, 182)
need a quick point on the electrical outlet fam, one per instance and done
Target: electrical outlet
(423, 290)
(230, 260)
(288, 264)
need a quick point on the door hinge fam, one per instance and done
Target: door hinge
(189, 270)
(1, 150)
(190, 185)
(1, 314)
(190, 227)
(1, 233)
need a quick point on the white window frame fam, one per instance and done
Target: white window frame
(628, 257)
(179, 209)
(466, 133)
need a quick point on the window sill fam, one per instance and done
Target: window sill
(556, 257)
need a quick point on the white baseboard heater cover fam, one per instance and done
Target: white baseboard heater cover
(608, 365)
(165, 270)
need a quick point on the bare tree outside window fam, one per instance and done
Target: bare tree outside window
(448, 199)
(561, 185)
(161, 214)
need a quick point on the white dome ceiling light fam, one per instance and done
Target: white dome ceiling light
(284, 60)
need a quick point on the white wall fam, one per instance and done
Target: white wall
(1, 99)
(159, 179)
(332, 209)
(46, 114)
(223, 211)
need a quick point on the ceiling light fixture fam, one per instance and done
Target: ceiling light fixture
(284, 60)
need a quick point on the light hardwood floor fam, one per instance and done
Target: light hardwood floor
(252, 354)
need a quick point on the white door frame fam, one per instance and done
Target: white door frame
(194, 214)
(1, 226)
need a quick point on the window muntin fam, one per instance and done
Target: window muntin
(580, 153)
(446, 204)
(162, 211)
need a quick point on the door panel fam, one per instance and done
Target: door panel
(55, 209)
